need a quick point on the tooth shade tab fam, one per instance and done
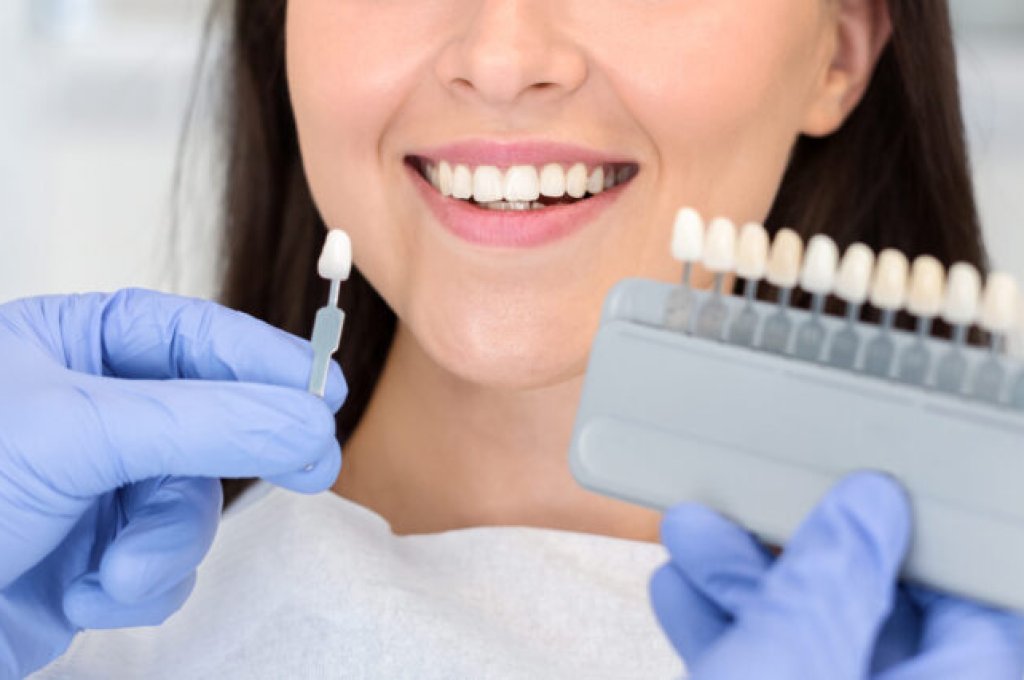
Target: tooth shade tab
(889, 286)
(752, 252)
(820, 262)
(963, 295)
(720, 247)
(335, 263)
(854, 279)
(784, 258)
(927, 287)
(999, 303)
(688, 236)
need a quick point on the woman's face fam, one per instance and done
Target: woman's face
(705, 97)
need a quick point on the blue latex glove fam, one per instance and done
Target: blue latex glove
(829, 606)
(117, 414)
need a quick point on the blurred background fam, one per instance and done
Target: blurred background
(97, 92)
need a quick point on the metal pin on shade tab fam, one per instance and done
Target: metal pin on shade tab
(335, 265)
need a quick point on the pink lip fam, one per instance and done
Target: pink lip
(512, 228)
(483, 152)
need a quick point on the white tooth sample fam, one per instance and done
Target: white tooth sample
(488, 184)
(820, 262)
(889, 286)
(522, 183)
(444, 178)
(784, 258)
(720, 246)
(609, 177)
(855, 270)
(576, 181)
(752, 252)
(552, 181)
(963, 295)
(335, 263)
(595, 184)
(999, 303)
(927, 287)
(462, 182)
(688, 236)
(430, 172)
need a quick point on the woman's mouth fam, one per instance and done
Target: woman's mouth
(517, 205)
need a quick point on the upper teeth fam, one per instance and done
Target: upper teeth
(519, 183)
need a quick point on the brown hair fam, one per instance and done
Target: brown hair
(896, 175)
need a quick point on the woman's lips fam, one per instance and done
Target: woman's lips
(512, 228)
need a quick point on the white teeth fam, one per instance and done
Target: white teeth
(576, 181)
(595, 184)
(488, 184)
(552, 181)
(462, 182)
(522, 183)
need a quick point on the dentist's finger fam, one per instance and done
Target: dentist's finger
(87, 605)
(691, 622)
(142, 334)
(170, 523)
(725, 563)
(133, 430)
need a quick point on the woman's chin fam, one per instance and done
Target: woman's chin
(507, 359)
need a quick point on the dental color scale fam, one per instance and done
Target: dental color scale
(756, 408)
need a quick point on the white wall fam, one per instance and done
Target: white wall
(95, 93)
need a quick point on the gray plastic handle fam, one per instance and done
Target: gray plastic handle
(666, 418)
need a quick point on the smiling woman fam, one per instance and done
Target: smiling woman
(499, 165)
(794, 124)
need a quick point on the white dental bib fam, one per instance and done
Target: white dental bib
(318, 587)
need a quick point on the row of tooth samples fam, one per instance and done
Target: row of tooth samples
(888, 282)
(521, 187)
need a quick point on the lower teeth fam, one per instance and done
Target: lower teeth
(512, 205)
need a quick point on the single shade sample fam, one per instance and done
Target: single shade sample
(927, 287)
(720, 246)
(688, 236)
(855, 271)
(335, 262)
(752, 252)
(784, 258)
(820, 261)
(963, 295)
(999, 303)
(889, 287)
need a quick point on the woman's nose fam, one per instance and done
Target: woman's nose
(507, 52)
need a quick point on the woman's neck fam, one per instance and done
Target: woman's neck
(433, 452)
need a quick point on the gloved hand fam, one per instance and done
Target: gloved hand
(829, 606)
(117, 415)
